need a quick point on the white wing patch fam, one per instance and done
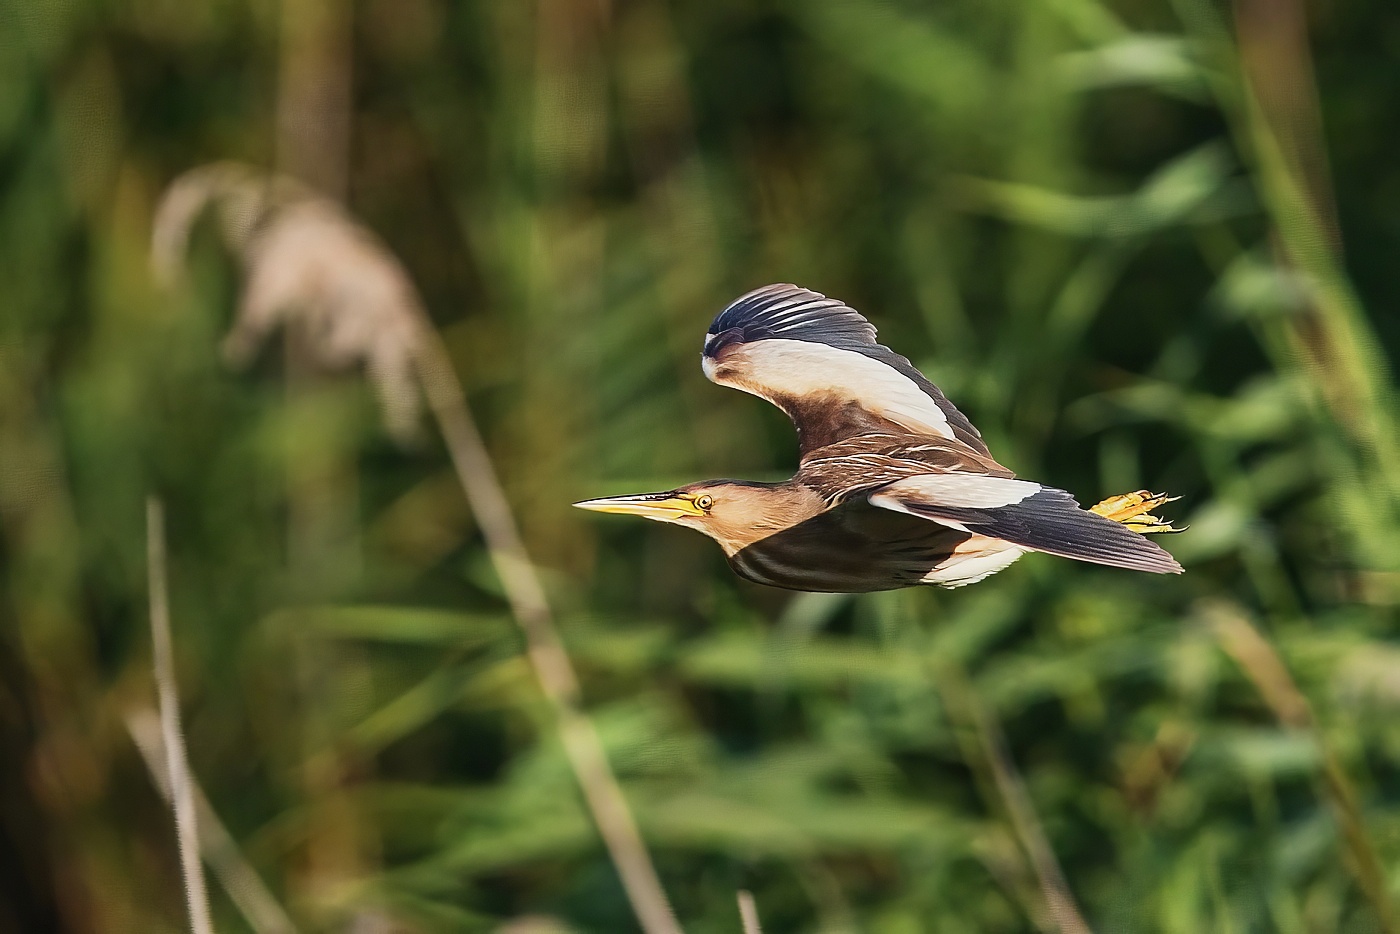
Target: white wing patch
(954, 490)
(778, 367)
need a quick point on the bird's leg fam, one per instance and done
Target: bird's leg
(1134, 510)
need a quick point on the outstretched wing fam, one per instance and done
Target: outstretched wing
(1024, 513)
(817, 359)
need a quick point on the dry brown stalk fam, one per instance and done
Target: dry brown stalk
(168, 696)
(1261, 663)
(551, 662)
(244, 886)
(355, 303)
(301, 254)
(314, 110)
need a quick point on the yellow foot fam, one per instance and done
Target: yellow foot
(1134, 511)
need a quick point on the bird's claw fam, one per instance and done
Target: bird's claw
(1134, 510)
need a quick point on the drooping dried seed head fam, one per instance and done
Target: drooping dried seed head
(307, 264)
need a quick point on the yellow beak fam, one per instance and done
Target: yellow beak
(665, 507)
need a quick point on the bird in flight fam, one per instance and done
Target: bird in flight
(895, 486)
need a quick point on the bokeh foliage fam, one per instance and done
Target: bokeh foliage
(1114, 249)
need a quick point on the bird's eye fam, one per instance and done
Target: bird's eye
(705, 501)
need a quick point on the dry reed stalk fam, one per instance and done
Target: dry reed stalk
(1264, 668)
(350, 295)
(993, 757)
(748, 913)
(244, 886)
(546, 651)
(168, 696)
(314, 90)
(314, 115)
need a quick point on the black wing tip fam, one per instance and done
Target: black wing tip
(1151, 563)
(759, 299)
(1136, 554)
(785, 310)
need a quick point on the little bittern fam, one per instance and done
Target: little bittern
(895, 486)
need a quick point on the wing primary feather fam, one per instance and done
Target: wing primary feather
(796, 313)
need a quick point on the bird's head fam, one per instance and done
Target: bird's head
(734, 513)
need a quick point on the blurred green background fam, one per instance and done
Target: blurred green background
(1140, 244)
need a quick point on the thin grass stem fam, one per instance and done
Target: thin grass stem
(168, 696)
(546, 652)
(241, 881)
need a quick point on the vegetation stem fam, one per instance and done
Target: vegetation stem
(176, 762)
(546, 651)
